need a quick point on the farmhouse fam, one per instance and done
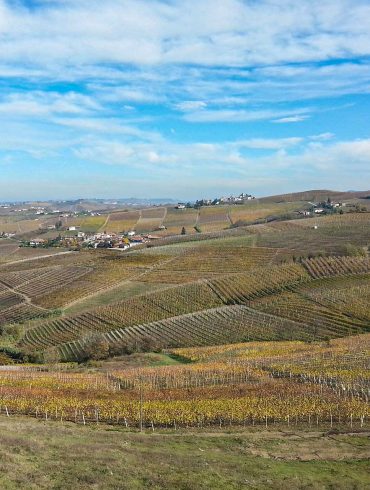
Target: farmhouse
(137, 239)
(36, 242)
(152, 237)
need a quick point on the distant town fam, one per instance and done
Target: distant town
(73, 237)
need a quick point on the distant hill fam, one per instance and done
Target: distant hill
(315, 195)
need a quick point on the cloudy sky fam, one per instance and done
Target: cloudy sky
(183, 98)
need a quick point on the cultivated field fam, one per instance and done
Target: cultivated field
(289, 383)
(234, 348)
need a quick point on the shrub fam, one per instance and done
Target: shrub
(52, 356)
(96, 348)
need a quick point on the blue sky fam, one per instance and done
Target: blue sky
(183, 99)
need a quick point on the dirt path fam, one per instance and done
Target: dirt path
(103, 226)
(164, 216)
(197, 219)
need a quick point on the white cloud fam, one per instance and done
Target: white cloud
(106, 126)
(239, 115)
(234, 33)
(322, 137)
(321, 156)
(167, 168)
(190, 105)
(37, 103)
(291, 119)
(269, 144)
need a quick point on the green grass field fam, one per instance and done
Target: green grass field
(40, 455)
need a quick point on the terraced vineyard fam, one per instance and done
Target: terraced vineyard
(88, 224)
(256, 210)
(349, 295)
(20, 277)
(52, 280)
(240, 288)
(343, 364)
(135, 311)
(279, 304)
(213, 326)
(9, 298)
(332, 266)
(208, 262)
(7, 248)
(20, 313)
(323, 321)
(103, 272)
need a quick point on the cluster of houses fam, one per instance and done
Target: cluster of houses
(325, 207)
(217, 201)
(120, 241)
(116, 241)
(6, 234)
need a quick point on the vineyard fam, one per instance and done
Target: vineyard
(260, 325)
(239, 288)
(298, 308)
(212, 326)
(332, 266)
(324, 234)
(348, 294)
(276, 303)
(268, 383)
(204, 263)
(136, 311)
(167, 303)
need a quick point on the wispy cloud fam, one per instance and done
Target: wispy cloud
(241, 115)
(291, 119)
(186, 91)
(190, 105)
(37, 103)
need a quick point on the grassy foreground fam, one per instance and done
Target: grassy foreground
(45, 455)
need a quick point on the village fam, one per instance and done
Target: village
(240, 199)
(81, 239)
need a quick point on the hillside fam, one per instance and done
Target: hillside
(162, 218)
(248, 282)
(241, 343)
